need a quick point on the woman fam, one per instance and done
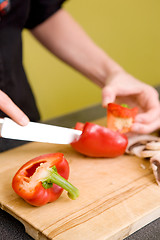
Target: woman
(57, 31)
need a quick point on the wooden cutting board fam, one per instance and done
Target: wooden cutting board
(117, 196)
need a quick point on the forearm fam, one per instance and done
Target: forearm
(67, 40)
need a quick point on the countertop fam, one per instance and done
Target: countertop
(12, 229)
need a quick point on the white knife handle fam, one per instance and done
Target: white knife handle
(38, 132)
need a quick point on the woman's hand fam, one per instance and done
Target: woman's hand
(124, 88)
(10, 108)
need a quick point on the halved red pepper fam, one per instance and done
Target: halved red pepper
(99, 141)
(120, 117)
(42, 179)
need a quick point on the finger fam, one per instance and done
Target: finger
(108, 96)
(11, 109)
(145, 128)
(148, 116)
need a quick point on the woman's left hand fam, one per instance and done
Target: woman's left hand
(121, 88)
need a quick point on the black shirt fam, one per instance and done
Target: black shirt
(13, 80)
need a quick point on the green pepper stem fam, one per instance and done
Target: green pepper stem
(54, 177)
(125, 105)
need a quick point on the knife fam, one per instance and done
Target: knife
(37, 132)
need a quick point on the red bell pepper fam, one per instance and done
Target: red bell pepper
(42, 179)
(98, 141)
(120, 117)
(79, 126)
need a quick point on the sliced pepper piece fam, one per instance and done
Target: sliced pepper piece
(99, 141)
(42, 179)
(120, 117)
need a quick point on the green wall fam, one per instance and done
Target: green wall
(128, 30)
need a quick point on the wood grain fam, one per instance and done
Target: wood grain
(117, 196)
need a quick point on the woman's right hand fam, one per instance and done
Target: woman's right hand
(12, 110)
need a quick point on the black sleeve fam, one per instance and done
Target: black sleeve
(40, 10)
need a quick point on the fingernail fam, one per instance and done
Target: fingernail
(135, 128)
(24, 120)
(106, 102)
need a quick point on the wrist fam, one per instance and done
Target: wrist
(102, 71)
(112, 68)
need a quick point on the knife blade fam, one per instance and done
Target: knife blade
(38, 132)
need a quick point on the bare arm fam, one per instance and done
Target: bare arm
(67, 40)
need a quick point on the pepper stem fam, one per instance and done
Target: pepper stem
(125, 105)
(54, 177)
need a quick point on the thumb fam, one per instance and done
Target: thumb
(108, 95)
